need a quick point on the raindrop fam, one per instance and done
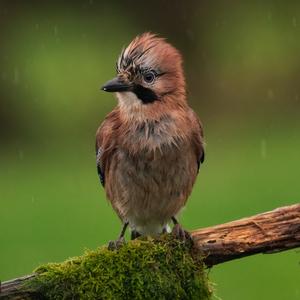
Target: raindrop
(55, 30)
(263, 149)
(3, 75)
(270, 15)
(37, 26)
(295, 22)
(21, 154)
(270, 93)
(190, 34)
(16, 78)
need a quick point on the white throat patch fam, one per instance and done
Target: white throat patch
(131, 105)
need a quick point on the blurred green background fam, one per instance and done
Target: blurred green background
(242, 63)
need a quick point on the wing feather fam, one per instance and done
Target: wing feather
(198, 139)
(99, 163)
(106, 144)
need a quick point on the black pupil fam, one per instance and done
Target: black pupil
(149, 77)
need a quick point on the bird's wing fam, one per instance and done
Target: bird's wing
(105, 144)
(100, 168)
(198, 139)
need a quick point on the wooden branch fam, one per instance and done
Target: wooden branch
(269, 232)
(12, 289)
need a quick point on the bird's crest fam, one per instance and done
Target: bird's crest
(135, 54)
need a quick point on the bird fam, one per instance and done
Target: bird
(149, 148)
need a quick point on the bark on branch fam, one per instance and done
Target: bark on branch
(269, 232)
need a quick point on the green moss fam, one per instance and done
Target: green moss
(141, 269)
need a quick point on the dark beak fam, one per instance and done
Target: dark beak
(115, 85)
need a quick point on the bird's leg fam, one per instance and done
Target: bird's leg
(113, 245)
(179, 233)
(164, 230)
(135, 234)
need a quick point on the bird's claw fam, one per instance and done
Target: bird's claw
(117, 244)
(179, 233)
(135, 234)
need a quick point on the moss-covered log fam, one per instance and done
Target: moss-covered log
(163, 268)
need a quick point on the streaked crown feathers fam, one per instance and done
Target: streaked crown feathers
(149, 52)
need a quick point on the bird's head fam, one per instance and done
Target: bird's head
(149, 71)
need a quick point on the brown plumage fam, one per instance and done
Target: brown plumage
(149, 148)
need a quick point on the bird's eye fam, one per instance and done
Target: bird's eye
(149, 77)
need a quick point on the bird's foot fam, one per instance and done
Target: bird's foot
(181, 234)
(164, 230)
(117, 244)
(135, 234)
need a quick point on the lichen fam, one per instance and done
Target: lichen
(161, 268)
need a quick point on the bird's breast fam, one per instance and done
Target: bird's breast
(153, 137)
(152, 174)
